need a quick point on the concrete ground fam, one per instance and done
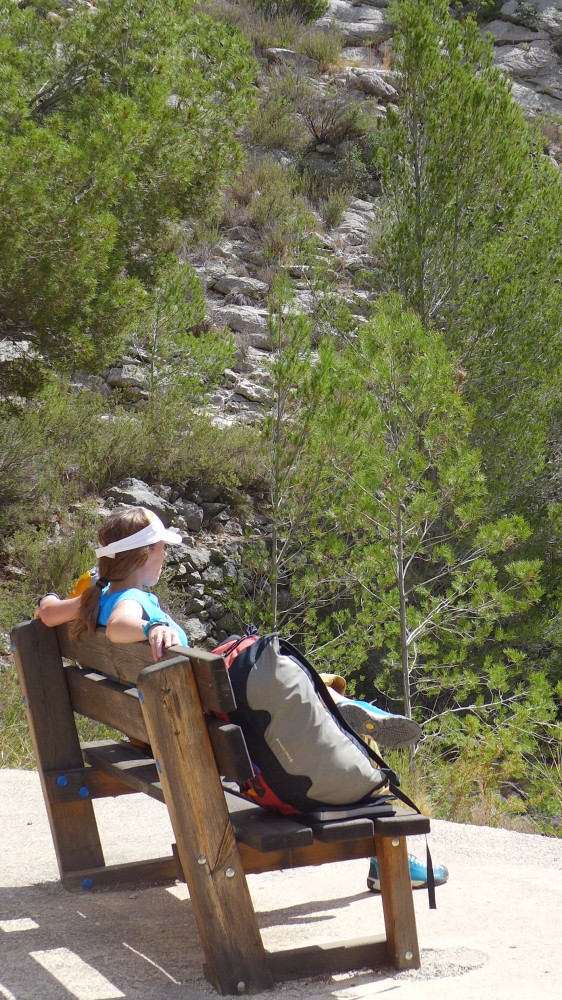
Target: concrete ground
(496, 934)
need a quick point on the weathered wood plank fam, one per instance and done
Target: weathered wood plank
(55, 740)
(265, 831)
(230, 751)
(205, 839)
(327, 958)
(402, 825)
(157, 871)
(317, 853)
(397, 902)
(133, 767)
(106, 701)
(94, 651)
(68, 786)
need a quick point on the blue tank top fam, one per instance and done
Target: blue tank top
(148, 602)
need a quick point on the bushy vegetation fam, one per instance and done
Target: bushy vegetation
(115, 124)
(304, 10)
(411, 458)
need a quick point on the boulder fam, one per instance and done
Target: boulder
(250, 390)
(126, 377)
(369, 81)
(298, 61)
(549, 14)
(357, 22)
(527, 62)
(192, 514)
(506, 33)
(135, 493)
(196, 630)
(227, 283)
(197, 559)
(247, 320)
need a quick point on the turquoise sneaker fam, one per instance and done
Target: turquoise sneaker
(388, 730)
(418, 874)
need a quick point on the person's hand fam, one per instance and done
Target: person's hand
(161, 637)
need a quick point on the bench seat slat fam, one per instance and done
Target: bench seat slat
(129, 763)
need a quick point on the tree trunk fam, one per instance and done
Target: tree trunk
(403, 626)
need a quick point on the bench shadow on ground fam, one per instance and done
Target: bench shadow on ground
(144, 945)
(124, 941)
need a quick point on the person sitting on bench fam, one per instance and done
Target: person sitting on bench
(131, 555)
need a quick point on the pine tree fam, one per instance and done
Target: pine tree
(471, 232)
(116, 124)
(429, 580)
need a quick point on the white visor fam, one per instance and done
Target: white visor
(154, 532)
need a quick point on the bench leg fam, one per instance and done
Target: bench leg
(57, 748)
(236, 961)
(398, 903)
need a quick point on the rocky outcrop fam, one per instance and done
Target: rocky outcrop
(205, 566)
(358, 23)
(528, 41)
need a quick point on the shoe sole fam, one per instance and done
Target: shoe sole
(374, 885)
(394, 731)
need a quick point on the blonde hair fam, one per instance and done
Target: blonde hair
(122, 523)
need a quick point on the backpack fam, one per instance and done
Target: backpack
(306, 757)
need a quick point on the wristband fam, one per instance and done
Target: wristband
(43, 596)
(152, 622)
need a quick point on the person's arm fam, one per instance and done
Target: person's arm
(54, 611)
(126, 624)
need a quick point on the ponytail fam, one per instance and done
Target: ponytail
(87, 617)
(114, 569)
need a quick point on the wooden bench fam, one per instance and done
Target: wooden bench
(219, 836)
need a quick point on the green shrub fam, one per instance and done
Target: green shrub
(334, 117)
(333, 208)
(347, 173)
(23, 462)
(15, 741)
(276, 124)
(306, 10)
(324, 46)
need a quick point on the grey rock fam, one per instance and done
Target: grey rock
(211, 509)
(252, 391)
(196, 630)
(247, 286)
(192, 514)
(549, 14)
(373, 83)
(237, 404)
(286, 57)
(213, 576)
(126, 376)
(357, 22)
(228, 624)
(527, 62)
(14, 350)
(534, 103)
(234, 528)
(230, 570)
(197, 559)
(134, 492)
(247, 320)
(194, 605)
(506, 33)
